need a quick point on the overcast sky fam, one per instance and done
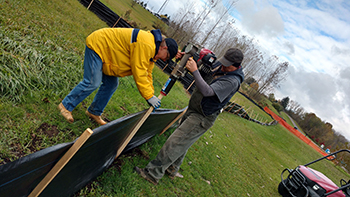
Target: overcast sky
(314, 36)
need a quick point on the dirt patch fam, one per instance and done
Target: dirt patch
(17, 149)
(43, 129)
(135, 152)
(5, 160)
(47, 129)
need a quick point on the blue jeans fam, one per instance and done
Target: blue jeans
(93, 76)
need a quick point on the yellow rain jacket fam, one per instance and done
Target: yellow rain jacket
(125, 54)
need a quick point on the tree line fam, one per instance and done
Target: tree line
(321, 132)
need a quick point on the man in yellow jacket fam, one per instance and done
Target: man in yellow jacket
(117, 52)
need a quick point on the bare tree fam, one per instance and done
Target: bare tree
(274, 78)
(221, 17)
(253, 59)
(296, 108)
(228, 33)
(182, 18)
(211, 4)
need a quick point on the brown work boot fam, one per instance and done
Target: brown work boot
(145, 175)
(65, 113)
(97, 119)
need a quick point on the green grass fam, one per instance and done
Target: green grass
(41, 53)
(142, 17)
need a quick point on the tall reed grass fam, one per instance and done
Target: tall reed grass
(31, 64)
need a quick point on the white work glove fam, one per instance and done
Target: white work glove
(154, 102)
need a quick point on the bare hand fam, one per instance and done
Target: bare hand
(179, 54)
(191, 65)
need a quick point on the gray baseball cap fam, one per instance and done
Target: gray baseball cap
(233, 57)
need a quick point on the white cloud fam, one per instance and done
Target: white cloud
(288, 47)
(262, 19)
(340, 51)
(345, 74)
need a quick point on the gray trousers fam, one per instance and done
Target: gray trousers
(193, 125)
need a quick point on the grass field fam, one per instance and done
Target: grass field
(41, 54)
(138, 14)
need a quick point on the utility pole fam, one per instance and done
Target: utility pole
(163, 6)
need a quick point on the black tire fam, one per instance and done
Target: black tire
(282, 190)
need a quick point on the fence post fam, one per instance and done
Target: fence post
(90, 4)
(61, 163)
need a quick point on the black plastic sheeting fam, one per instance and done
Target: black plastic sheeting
(240, 111)
(237, 109)
(20, 177)
(105, 14)
(251, 100)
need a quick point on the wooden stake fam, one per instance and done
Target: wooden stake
(232, 107)
(117, 21)
(238, 110)
(165, 67)
(190, 85)
(90, 4)
(246, 112)
(257, 114)
(228, 104)
(61, 163)
(172, 122)
(135, 128)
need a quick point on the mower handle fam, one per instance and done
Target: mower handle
(325, 157)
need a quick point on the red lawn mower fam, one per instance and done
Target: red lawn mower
(307, 182)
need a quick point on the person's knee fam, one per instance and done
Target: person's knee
(91, 84)
(95, 85)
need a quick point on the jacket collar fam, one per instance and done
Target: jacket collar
(157, 39)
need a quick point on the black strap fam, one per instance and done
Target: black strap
(134, 34)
